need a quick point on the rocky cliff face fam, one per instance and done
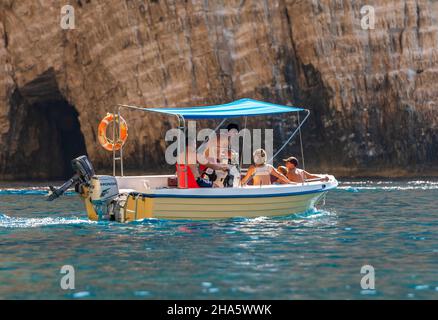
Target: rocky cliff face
(373, 93)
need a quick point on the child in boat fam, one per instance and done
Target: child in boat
(261, 172)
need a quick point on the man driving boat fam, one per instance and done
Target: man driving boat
(217, 151)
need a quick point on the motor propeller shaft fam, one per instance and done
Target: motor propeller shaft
(84, 171)
(57, 192)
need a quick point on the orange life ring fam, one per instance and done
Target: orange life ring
(107, 143)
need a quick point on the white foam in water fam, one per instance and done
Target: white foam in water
(356, 186)
(142, 293)
(9, 222)
(422, 287)
(30, 191)
(81, 294)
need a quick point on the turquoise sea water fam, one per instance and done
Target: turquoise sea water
(391, 225)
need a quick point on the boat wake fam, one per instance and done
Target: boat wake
(15, 222)
(23, 223)
(357, 186)
(30, 191)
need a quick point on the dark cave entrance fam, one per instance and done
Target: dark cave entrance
(60, 136)
(47, 130)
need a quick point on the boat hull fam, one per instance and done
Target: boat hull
(222, 208)
(204, 204)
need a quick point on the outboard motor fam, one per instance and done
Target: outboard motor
(104, 195)
(103, 189)
(84, 171)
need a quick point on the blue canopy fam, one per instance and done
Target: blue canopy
(238, 108)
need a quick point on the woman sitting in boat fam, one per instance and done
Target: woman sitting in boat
(261, 172)
(187, 169)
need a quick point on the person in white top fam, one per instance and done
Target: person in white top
(261, 172)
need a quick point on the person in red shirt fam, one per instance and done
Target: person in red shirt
(187, 168)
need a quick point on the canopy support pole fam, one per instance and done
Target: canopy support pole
(114, 149)
(220, 124)
(116, 137)
(182, 133)
(121, 145)
(301, 145)
(241, 156)
(211, 135)
(293, 135)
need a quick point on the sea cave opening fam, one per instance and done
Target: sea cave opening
(48, 132)
(60, 136)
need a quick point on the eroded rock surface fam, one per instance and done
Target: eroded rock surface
(373, 93)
